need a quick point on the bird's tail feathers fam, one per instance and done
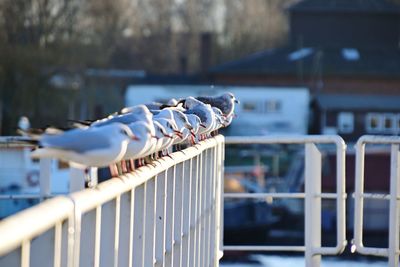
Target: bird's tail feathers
(80, 123)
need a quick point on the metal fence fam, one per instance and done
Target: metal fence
(170, 214)
(162, 215)
(392, 251)
(312, 195)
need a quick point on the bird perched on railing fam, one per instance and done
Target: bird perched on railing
(83, 148)
(136, 150)
(225, 102)
(135, 133)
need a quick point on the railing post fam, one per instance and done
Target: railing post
(193, 210)
(160, 218)
(312, 204)
(394, 211)
(177, 232)
(203, 218)
(149, 225)
(169, 217)
(221, 184)
(199, 225)
(358, 199)
(91, 223)
(108, 233)
(125, 230)
(138, 225)
(186, 211)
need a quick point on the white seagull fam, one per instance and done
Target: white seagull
(90, 147)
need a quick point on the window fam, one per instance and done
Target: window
(373, 122)
(272, 106)
(389, 123)
(249, 106)
(345, 122)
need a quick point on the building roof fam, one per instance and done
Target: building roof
(357, 102)
(369, 6)
(310, 60)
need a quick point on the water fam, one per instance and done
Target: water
(291, 261)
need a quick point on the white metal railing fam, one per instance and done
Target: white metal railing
(392, 252)
(162, 215)
(312, 195)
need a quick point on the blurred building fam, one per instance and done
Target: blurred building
(263, 110)
(342, 50)
(351, 115)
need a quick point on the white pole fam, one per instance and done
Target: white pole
(312, 204)
(394, 211)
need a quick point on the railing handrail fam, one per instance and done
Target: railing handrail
(286, 139)
(31, 222)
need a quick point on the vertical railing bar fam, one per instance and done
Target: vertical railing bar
(207, 212)
(312, 211)
(341, 197)
(221, 197)
(138, 227)
(213, 207)
(57, 244)
(196, 222)
(160, 218)
(193, 210)
(358, 199)
(169, 216)
(76, 230)
(117, 225)
(218, 204)
(97, 237)
(149, 225)
(25, 253)
(186, 212)
(394, 211)
(211, 217)
(154, 241)
(203, 204)
(178, 214)
(200, 212)
(71, 239)
(131, 222)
